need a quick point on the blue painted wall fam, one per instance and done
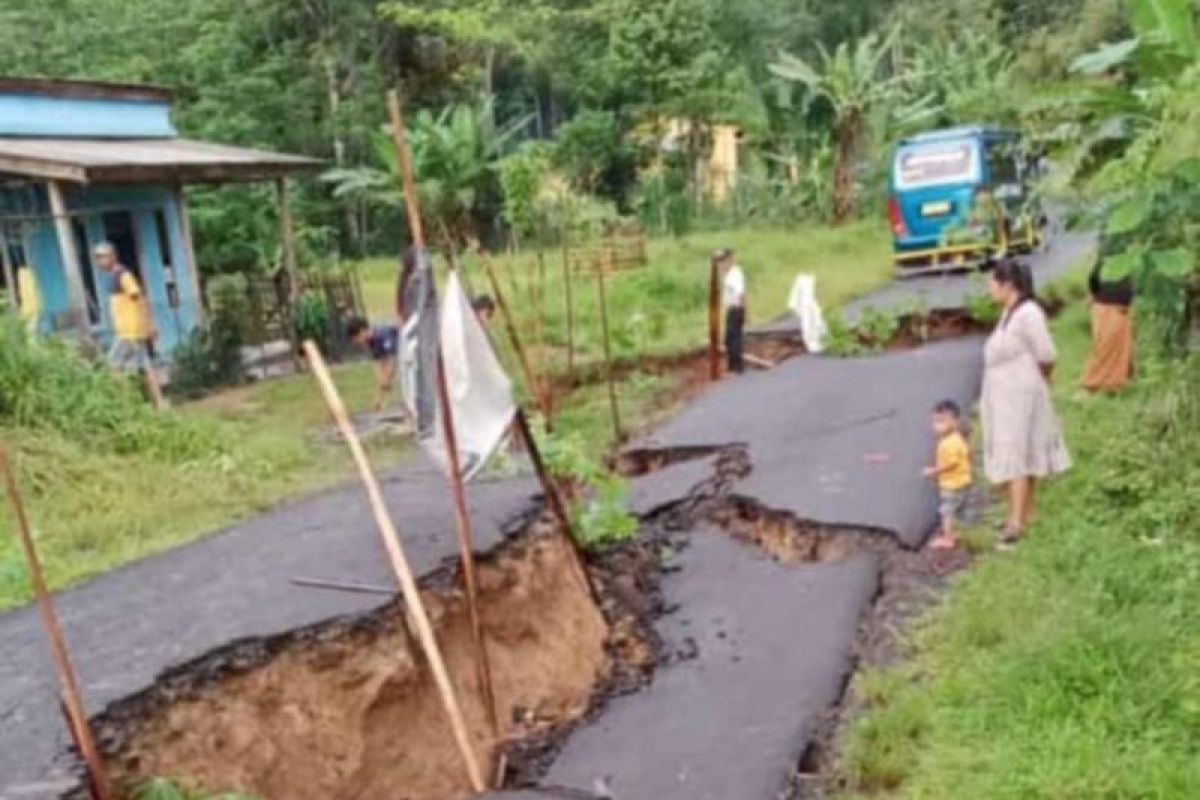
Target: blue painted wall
(173, 324)
(36, 115)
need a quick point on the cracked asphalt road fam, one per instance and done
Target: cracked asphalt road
(835, 441)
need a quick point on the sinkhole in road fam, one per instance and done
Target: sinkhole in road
(348, 709)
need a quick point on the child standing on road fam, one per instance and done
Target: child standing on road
(952, 468)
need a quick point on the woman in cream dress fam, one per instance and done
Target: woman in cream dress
(1022, 436)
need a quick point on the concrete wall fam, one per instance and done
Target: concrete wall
(38, 115)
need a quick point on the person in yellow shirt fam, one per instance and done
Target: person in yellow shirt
(132, 326)
(952, 468)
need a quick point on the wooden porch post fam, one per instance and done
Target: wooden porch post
(189, 250)
(287, 236)
(70, 257)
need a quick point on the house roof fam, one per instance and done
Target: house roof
(142, 161)
(88, 90)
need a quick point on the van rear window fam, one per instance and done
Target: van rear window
(934, 164)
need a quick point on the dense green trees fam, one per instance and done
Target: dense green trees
(603, 78)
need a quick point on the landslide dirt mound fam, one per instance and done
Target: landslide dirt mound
(348, 710)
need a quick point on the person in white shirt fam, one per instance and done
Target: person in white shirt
(733, 301)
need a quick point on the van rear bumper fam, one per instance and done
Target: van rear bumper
(942, 259)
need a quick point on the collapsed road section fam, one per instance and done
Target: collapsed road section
(762, 512)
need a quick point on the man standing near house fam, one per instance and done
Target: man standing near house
(133, 330)
(733, 301)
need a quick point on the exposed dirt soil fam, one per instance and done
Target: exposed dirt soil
(690, 369)
(348, 709)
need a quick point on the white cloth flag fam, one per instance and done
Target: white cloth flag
(480, 391)
(803, 303)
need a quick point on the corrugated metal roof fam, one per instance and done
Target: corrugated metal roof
(143, 160)
(56, 87)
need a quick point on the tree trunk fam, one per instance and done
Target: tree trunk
(848, 130)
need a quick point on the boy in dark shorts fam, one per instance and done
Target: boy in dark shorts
(952, 468)
(382, 343)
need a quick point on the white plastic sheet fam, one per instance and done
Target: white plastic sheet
(803, 303)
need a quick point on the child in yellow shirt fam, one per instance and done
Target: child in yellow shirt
(952, 468)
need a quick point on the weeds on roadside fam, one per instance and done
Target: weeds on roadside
(598, 496)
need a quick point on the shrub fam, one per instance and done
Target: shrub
(45, 384)
(212, 357)
(310, 319)
(599, 498)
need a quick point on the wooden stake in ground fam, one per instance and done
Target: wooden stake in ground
(462, 516)
(510, 326)
(68, 680)
(408, 583)
(714, 319)
(555, 501)
(601, 268)
(567, 300)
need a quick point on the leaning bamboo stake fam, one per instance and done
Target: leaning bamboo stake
(557, 505)
(535, 386)
(68, 679)
(408, 584)
(714, 320)
(462, 517)
(601, 268)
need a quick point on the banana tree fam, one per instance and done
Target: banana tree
(854, 80)
(455, 155)
(1112, 115)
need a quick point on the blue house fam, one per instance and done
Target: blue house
(84, 162)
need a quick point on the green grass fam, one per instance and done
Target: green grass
(93, 509)
(662, 308)
(1070, 667)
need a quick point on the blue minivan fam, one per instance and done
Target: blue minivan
(958, 197)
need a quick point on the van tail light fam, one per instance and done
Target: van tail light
(896, 217)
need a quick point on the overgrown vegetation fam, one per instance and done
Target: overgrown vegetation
(108, 480)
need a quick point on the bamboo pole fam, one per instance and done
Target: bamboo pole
(714, 319)
(601, 268)
(557, 506)
(514, 338)
(458, 488)
(568, 300)
(547, 388)
(408, 583)
(68, 679)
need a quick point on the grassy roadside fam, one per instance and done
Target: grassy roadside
(662, 308)
(1069, 668)
(94, 508)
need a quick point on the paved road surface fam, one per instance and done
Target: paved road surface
(772, 645)
(838, 440)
